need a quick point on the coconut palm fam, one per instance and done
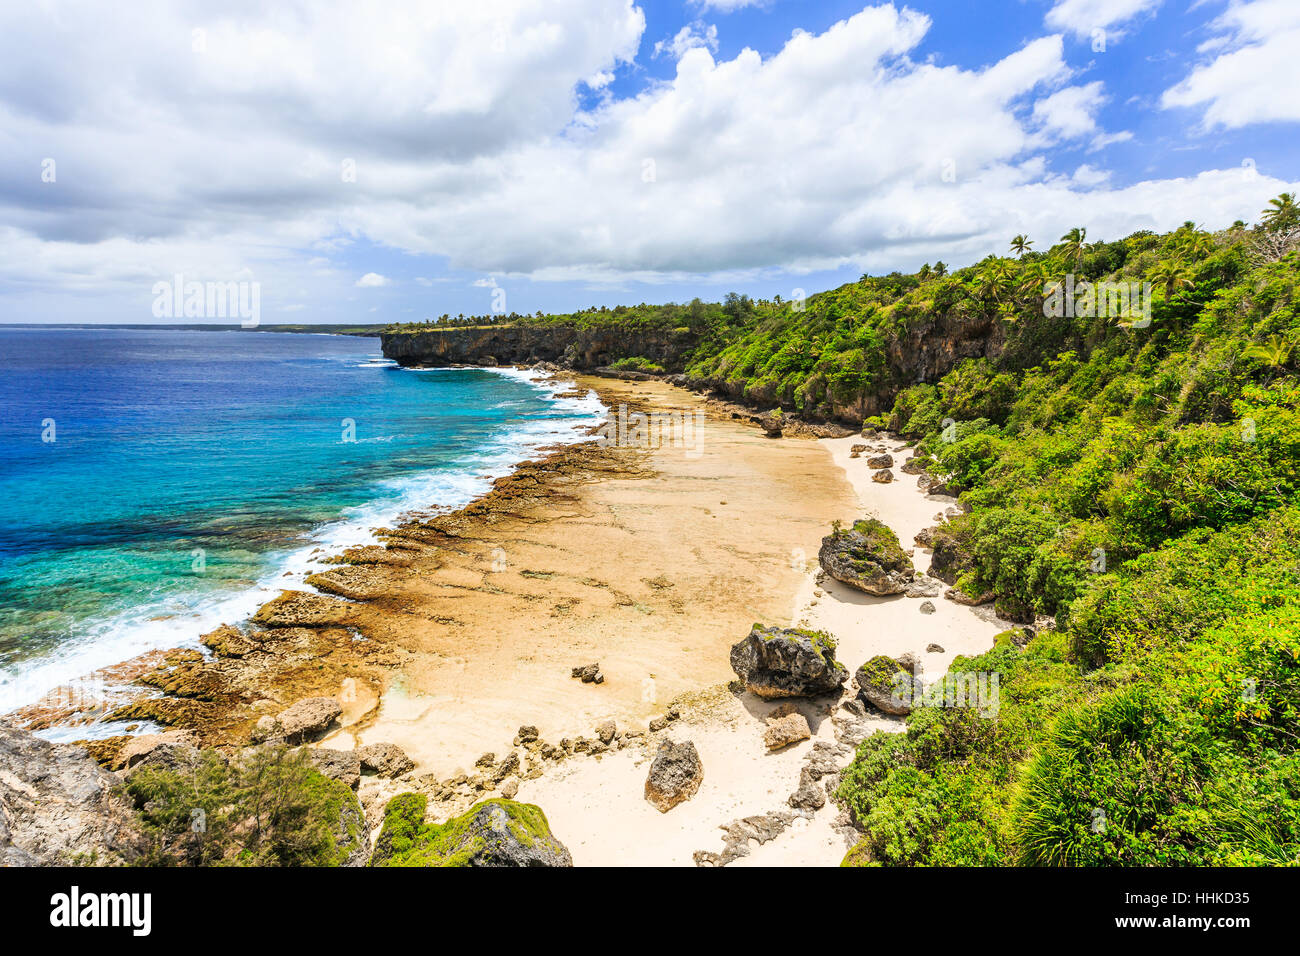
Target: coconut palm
(1275, 351)
(1074, 244)
(1173, 276)
(1197, 245)
(1020, 245)
(1282, 213)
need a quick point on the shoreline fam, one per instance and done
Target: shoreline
(458, 628)
(82, 667)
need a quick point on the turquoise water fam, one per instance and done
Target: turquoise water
(156, 483)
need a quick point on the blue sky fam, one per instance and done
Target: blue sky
(588, 152)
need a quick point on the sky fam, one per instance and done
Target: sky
(392, 162)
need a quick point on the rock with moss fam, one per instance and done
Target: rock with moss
(499, 833)
(886, 683)
(867, 557)
(949, 558)
(788, 662)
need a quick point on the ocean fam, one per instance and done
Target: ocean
(155, 484)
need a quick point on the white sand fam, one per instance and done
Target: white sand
(597, 807)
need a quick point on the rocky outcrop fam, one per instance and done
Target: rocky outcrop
(341, 765)
(867, 557)
(786, 662)
(494, 833)
(59, 807)
(306, 720)
(300, 609)
(155, 747)
(384, 760)
(949, 558)
(886, 684)
(568, 346)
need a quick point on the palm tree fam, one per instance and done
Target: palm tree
(1275, 351)
(1020, 245)
(1282, 213)
(1173, 276)
(1197, 245)
(1074, 244)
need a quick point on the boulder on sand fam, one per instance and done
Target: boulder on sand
(785, 728)
(675, 775)
(880, 461)
(886, 683)
(341, 765)
(787, 662)
(867, 557)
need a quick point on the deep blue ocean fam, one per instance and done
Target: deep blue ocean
(156, 483)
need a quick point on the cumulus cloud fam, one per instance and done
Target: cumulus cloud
(292, 135)
(1253, 69)
(372, 280)
(1082, 17)
(689, 37)
(727, 6)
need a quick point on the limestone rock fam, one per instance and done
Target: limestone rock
(341, 765)
(59, 807)
(140, 748)
(384, 760)
(885, 683)
(867, 557)
(785, 730)
(493, 833)
(778, 662)
(880, 461)
(300, 609)
(675, 775)
(306, 720)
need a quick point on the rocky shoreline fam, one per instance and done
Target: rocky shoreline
(323, 656)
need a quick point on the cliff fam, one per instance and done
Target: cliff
(575, 347)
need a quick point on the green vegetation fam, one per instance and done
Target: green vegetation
(1126, 429)
(637, 363)
(268, 808)
(1140, 484)
(406, 840)
(874, 544)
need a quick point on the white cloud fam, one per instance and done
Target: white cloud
(372, 280)
(689, 37)
(1255, 70)
(1069, 113)
(838, 149)
(1082, 17)
(727, 6)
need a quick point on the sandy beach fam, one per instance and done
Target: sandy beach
(651, 558)
(599, 807)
